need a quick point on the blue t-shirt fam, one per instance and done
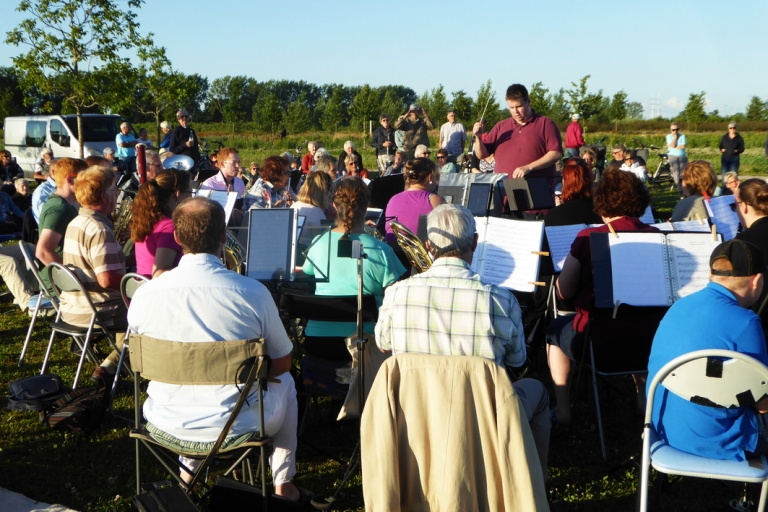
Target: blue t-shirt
(708, 319)
(680, 142)
(380, 269)
(124, 152)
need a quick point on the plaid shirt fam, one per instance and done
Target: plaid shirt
(447, 310)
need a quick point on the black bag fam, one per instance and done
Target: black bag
(36, 393)
(229, 495)
(165, 499)
(80, 410)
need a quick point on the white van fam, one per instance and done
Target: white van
(26, 136)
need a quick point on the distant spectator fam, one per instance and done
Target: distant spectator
(731, 146)
(397, 166)
(354, 167)
(732, 183)
(589, 155)
(383, 140)
(349, 149)
(308, 161)
(126, 147)
(165, 127)
(632, 165)
(184, 139)
(574, 137)
(421, 151)
(453, 137)
(415, 129)
(618, 155)
(9, 171)
(442, 160)
(118, 166)
(43, 165)
(144, 138)
(21, 198)
(677, 156)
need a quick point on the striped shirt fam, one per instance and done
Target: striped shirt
(447, 310)
(91, 247)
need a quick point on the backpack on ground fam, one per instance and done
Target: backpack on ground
(80, 410)
(36, 393)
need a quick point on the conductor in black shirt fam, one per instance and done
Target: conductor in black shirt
(184, 138)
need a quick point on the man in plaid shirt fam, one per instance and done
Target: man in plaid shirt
(447, 310)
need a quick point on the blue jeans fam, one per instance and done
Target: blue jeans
(729, 164)
(571, 152)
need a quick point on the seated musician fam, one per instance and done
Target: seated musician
(577, 206)
(752, 209)
(151, 224)
(421, 179)
(314, 197)
(699, 182)
(200, 300)
(620, 199)
(272, 189)
(226, 179)
(735, 283)
(91, 248)
(447, 310)
(381, 268)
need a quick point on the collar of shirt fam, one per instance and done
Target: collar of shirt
(201, 259)
(100, 217)
(51, 181)
(722, 290)
(450, 266)
(530, 120)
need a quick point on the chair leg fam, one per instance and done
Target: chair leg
(763, 496)
(114, 383)
(47, 352)
(82, 355)
(31, 328)
(597, 401)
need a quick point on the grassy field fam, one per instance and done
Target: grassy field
(96, 473)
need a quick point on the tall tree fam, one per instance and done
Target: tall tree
(462, 105)
(76, 51)
(560, 109)
(617, 109)
(332, 112)
(694, 110)
(438, 105)
(298, 118)
(541, 100)
(365, 107)
(11, 95)
(392, 105)
(267, 114)
(588, 105)
(634, 110)
(486, 98)
(757, 110)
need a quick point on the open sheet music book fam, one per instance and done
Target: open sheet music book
(224, 198)
(725, 219)
(560, 239)
(649, 269)
(698, 226)
(507, 252)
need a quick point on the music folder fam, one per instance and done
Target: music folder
(479, 199)
(649, 268)
(528, 194)
(725, 219)
(227, 200)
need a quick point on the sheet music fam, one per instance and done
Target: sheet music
(665, 227)
(647, 217)
(560, 239)
(638, 265)
(271, 244)
(683, 225)
(726, 220)
(224, 198)
(689, 258)
(507, 247)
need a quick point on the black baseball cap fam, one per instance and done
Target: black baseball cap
(747, 259)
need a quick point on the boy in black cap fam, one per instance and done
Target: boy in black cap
(714, 318)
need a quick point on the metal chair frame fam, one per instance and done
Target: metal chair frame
(32, 262)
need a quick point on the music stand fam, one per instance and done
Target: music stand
(479, 198)
(525, 194)
(384, 188)
(227, 200)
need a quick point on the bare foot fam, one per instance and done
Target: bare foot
(288, 491)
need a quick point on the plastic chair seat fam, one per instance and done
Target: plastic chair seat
(672, 461)
(44, 304)
(232, 446)
(75, 330)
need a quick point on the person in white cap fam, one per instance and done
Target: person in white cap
(574, 137)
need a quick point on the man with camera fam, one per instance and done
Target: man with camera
(415, 129)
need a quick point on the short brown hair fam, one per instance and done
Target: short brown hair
(517, 92)
(63, 168)
(91, 183)
(199, 224)
(5, 152)
(316, 189)
(620, 194)
(699, 178)
(98, 160)
(224, 154)
(273, 168)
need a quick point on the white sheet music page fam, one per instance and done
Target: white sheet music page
(665, 227)
(639, 269)
(224, 198)
(726, 220)
(700, 226)
(560, 239)
(509, 261)
(689, 254)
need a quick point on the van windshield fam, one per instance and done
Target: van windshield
(97, 128)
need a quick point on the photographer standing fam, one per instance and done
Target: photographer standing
(415, 129)
(184, 139)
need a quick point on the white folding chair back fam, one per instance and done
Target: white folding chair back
(714, 378)
(43, 301)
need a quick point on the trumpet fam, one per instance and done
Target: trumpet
(412, 247)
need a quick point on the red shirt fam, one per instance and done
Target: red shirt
(307, 162)
(574, 136)
(515, 145)
(580, 249)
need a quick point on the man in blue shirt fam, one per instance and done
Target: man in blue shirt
(126, 147)
(736, 282)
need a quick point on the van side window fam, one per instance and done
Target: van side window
(59, 133)
(35, 134)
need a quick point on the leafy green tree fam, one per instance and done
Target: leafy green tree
(365, 107)
(298, 118)
(634, 110)
(76, 50)
(694, 110)
(438, 106)
(588, 105)
(560, 109)
(486, 97)
(541, 100)
(617, 111)
(462, 105)
(757, 110)
(267, 114)
(333, 114)
(11, 95)
(392, 105)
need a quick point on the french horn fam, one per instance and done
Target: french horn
(412, 247)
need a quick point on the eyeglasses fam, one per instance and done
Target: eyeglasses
(674, 129)
(235, 163)
(731, 127)
(441, 156)
(427, 153)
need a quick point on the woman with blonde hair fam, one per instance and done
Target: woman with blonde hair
(151, 223)
(699, 183)
(382, 268)
(314, 197)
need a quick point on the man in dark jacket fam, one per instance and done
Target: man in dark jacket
(384, 141)
(9, 171)
(184, 139)
(415, 128)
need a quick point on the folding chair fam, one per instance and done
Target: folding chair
(201, 363)
(63, 279)
(43, 301)
(610, 357)
(128, 286)
(719, 378)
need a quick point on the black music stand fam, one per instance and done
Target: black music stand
(479, 198)
(524, 194)
(384, 188)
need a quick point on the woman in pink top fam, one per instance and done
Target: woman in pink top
(421, 179)
(151, 224)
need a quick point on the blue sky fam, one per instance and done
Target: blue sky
(653, 48)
